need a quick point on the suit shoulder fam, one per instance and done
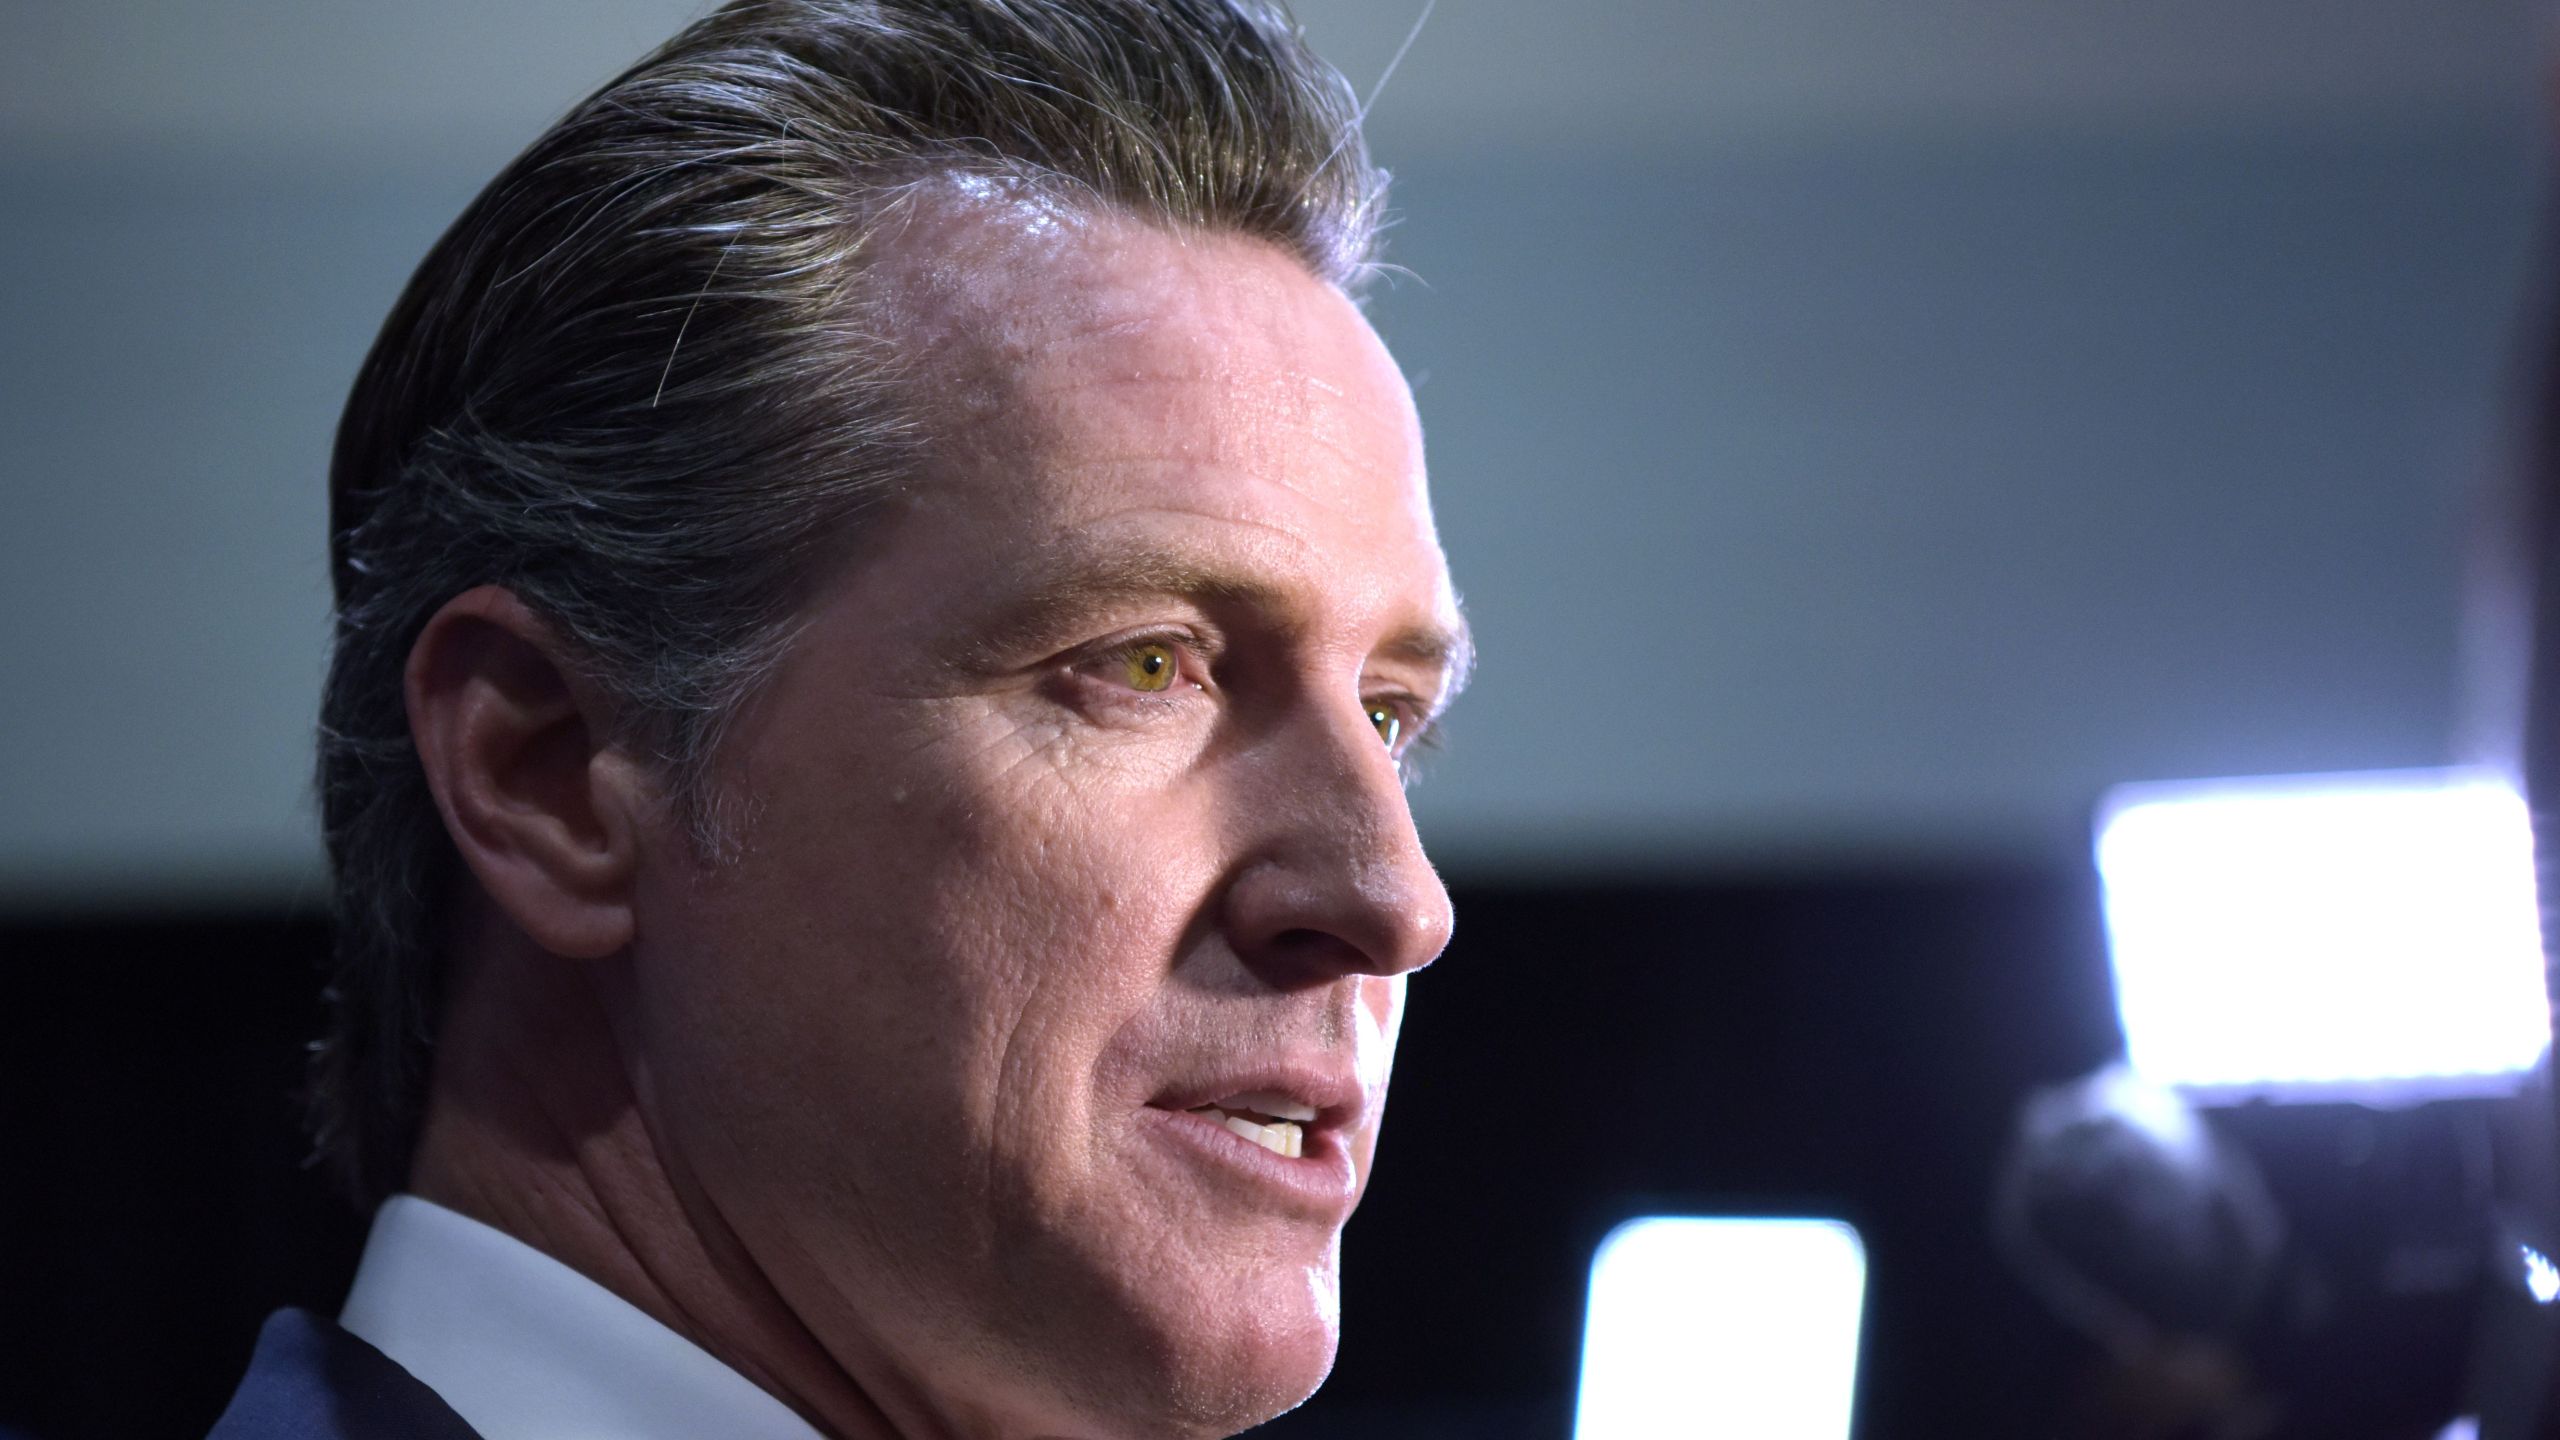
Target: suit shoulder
(309, 1379)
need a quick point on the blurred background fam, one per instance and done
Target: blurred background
(1864, 430)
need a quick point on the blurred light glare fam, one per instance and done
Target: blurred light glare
(1722, 1327)
(2541, 1280)
(2367, 936)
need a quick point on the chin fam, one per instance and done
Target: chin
(1265, 1372)
(1235, 1394)
(1225, 1358)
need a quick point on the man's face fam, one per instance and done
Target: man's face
(1076, 808)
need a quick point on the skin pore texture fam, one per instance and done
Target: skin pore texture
(1075, 804)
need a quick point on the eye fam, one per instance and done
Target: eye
(1387, 722)
(1402, 722)
(1149, 667)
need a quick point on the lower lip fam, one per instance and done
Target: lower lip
(1322, 1182)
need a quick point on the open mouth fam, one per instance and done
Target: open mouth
(1274, 1122)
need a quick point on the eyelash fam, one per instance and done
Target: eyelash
(1418, 735)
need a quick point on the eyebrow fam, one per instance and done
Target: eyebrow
(1095, 581)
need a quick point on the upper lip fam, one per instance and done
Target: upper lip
(1335, 1094)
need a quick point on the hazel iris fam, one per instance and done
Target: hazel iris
(1149, 668)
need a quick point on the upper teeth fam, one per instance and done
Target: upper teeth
(1265, 1102)
(1282, 1136)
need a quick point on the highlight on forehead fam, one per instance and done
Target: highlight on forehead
(973, 273)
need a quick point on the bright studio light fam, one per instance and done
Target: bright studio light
(1723, 1328)
(2541, 1279)
(2366, 936)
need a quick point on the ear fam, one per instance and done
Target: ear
(544, 811)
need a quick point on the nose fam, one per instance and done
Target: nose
(1332, 879)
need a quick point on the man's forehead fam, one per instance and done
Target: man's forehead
(1174, 413)
(980, 277)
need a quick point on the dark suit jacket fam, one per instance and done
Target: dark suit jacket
(311, 1380)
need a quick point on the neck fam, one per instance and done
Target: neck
(532, 1127)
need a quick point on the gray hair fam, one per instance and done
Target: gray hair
(639, 383)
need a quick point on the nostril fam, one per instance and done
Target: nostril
(1325, 943)
(1312, 956)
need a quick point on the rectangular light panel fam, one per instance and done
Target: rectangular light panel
(1722, 1327)
(2365, 936)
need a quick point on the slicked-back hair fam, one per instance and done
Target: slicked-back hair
(641, 383)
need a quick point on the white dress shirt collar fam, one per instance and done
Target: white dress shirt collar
(525, 1348)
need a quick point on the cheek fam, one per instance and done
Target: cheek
(1076, 901)
(937, 944)
(1041, 897)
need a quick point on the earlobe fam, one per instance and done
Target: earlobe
(516, 749)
